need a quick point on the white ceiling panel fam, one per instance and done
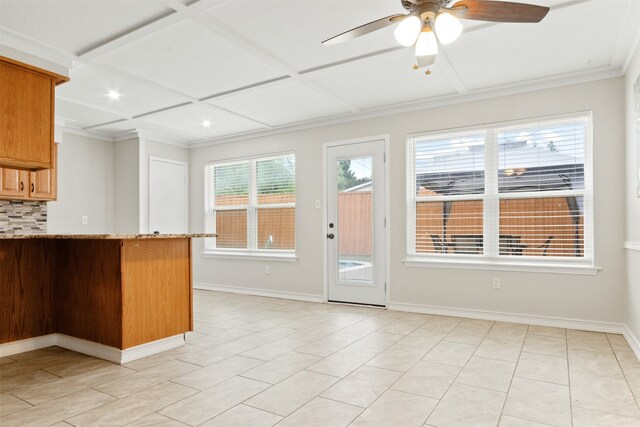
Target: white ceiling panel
(75, 25)
(384, 80)
(190, 59)
(293, 30)
(82, 116)
(189, 120)
(89, 85)
(280, 103)
(569, 39)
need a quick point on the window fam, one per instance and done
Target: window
(251, 205)
(508, 193)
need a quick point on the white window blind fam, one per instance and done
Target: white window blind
(449, 182)
(510, 192)
(251, 205)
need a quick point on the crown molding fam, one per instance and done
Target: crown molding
(154, 136)
(477, 95)
(126, 136)
(33, 52)
(89, 134)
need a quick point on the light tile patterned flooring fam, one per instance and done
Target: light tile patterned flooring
(254, 361)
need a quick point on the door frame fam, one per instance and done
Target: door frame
(186, 188)
(387, 212)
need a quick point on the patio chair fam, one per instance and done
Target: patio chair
(440, 246)
(517, 248)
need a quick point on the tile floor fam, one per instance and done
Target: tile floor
(255, 361)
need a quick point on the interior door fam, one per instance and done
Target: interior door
(168, 196)
(355, 229)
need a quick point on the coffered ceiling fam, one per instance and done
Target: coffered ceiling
(251, 67)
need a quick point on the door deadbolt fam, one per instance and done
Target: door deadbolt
(330, 236)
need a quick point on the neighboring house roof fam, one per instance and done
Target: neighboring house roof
(523, 168)
(512, 155)
(360, 187)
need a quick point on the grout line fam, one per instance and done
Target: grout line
(244, 402)
(25, 401)
(506, 396)
(566, 339)
(635, 398)
(524, 419)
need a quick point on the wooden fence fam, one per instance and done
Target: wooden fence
(355, 234)
(529, 222)
(276, 226)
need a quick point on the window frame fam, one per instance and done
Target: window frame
(251, 251)
(490, 259)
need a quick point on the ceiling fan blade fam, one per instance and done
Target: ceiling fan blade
(364, 29)
(498, 11)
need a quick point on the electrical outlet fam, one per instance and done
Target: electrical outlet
(267, 270)
(496, 283)
(85, 220)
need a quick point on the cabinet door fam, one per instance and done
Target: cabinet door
(43, 183)
(26, 113)
(14, 184)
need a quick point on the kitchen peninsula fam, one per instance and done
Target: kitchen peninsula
(115, 296)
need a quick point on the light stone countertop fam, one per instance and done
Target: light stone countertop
(107, 236)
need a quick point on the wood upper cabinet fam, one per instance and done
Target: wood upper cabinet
(18, 184)
(26, 115)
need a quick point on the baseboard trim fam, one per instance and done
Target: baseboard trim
(259, 292)
(29, 344)
(151, 348)
(633, 341)
(557, 322)
(90, 348)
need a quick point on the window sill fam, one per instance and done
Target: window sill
(251, 256)
(529, 267)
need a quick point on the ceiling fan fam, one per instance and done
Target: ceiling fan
(431, 21)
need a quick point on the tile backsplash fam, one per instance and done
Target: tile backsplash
(18, 217)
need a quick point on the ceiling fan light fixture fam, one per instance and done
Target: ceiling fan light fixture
(408, 31)
(427, 45)
(448, 28)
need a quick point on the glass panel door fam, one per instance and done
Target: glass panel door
(356, 239)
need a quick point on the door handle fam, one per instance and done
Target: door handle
(330, 236)
(33, 187)
(21, 186)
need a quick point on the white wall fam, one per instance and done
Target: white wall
(106, 181)
(151, 148)
(126, 175)
(633, 201)
(594, 298)
(85, 186)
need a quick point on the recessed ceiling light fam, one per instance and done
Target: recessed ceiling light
(113, 94)
(206, 123)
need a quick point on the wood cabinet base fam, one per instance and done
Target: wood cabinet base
(120, 293)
